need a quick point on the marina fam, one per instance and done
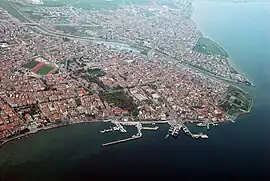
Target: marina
(139, 127)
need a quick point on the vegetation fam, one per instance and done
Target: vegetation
(96, 72)
(236, 101)
(209, 47)
(35, 16)
(77, 30)
(31, 64)
(11, 10)
(101, 4)
(45, 69)
(120, 99)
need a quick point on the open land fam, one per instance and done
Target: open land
(131, 63)
(207, 46)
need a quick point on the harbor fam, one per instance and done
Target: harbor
(173, 131)
(139, 127)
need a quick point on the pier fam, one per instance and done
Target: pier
(150, 128)
(174, 130)
(121, 141)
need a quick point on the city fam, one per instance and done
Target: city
(65, 65)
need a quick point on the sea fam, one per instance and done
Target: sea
(234, 151)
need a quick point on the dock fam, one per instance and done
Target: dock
(188, 132)
(117, 127)
(174, 130)
(120, 127)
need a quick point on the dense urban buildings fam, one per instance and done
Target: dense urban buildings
(63, 64)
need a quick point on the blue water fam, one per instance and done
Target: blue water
(232, 152)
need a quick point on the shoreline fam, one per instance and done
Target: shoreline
(229, 59)
(38, 130)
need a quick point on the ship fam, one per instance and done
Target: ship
(204, 136)
(176, 132)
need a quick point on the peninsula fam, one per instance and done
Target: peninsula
(66, 62)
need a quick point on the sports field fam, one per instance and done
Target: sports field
(31, 64)
(45, 69)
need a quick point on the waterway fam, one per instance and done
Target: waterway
(233, 151)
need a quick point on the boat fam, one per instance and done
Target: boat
(176, 132)
(201, 124)
(171, 129)
(204, 136)
(167, 136)
(102, 131)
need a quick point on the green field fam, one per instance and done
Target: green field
(77, 30)
(31, 64)
(100, 4)
(236, 101)
(45, 69)
(9, 7)
(209, 47)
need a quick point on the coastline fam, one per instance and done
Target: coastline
(229, 60)
(46, 128)
(201, 72)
